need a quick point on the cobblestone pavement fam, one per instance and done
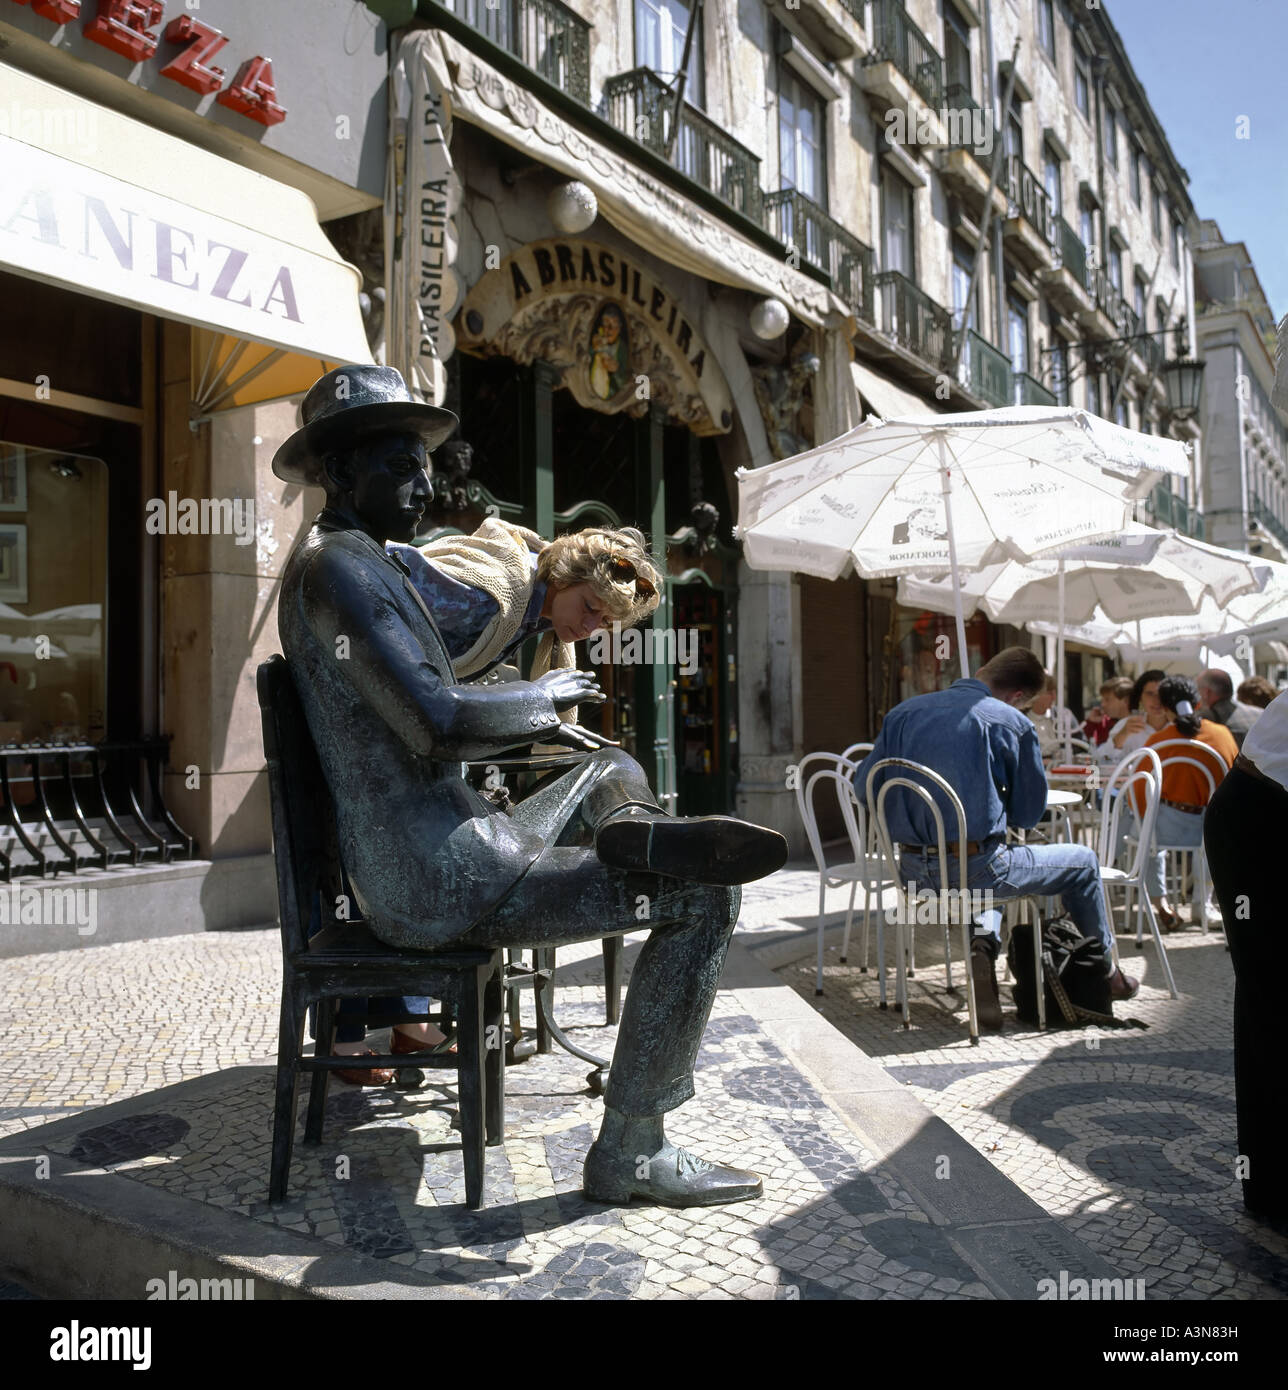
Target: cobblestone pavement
(85, 1028)
(1126, 1137)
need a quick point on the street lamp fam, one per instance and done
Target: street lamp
(1183, 381)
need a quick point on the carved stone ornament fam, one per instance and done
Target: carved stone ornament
(619, 339)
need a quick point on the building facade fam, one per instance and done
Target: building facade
(166, 277)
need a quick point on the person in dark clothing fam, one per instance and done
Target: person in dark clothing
(1243, 834)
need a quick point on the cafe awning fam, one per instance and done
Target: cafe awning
(107, 206)
(887, 400)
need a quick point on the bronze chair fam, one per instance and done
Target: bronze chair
(344, 959)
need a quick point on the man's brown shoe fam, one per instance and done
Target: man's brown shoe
(1123, 986)
(988, 1003)
(366, 1076)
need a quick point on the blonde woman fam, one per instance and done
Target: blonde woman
(487, 594)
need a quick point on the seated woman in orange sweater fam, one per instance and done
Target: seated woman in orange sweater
(1185, 792)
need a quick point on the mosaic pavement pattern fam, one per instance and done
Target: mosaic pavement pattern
(1126, 1137)
(387, 1182)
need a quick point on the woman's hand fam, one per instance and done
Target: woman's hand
(567, 689)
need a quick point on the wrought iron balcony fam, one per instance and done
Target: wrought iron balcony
(967, 120)
(545, 35)
(854, 8)
(641, 104)
(1172, 510)
(1029, 198)
(1073, 254)
(896, 39)
(913, 319)
(984, 371)
(1270, 521)
(798, 221)
(1030, 391)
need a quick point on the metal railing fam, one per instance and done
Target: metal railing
(1073, 254)
(1029, 199)
(854, 8)
(1270, 521)
(798, 221)
(984, 371)
(1173, 510)
(966, 120)
(545, 35)
(1029, 390)
(896, 39)
(642, 105)
(64, 807)
(913, 319)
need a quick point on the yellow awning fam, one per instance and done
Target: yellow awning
(105, 205)
(887, 400)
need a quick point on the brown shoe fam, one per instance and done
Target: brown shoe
(401, 1045)
(1123, 986)
(366, 1076)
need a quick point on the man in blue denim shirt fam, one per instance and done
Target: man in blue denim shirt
(975, 737)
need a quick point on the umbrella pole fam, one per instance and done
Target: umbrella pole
(945, 478)
(1059, 666)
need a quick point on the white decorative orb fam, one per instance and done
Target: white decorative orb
(572, 207)
(769, 319)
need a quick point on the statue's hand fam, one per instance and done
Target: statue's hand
(568, 688)
(583, 740)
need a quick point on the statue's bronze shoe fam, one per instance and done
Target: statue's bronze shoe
(703, 849)
(673, 1178)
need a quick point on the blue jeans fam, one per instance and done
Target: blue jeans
(1071, 872)
(1172, 827)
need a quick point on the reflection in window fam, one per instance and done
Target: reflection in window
(53, 589)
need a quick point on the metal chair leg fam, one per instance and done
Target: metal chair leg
(494, 1058)
(543, 958)
(471, 1045)
(323, 1046)
(818, 978)
(1158, 942)
(849, 921)
(290, 1041)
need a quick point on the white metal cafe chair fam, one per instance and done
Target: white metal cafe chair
(960, 897)
(858, 868)
(1139, 770)
(1212, 765)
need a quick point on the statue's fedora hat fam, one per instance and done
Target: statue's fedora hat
(350, 404)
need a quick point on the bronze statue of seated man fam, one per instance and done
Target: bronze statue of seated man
(588, 854)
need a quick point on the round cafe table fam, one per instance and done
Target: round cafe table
(1059, 801)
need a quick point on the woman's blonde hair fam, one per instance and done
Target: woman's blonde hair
(616, 565)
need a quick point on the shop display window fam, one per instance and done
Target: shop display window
(53, 595)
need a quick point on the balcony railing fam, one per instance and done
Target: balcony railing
(1073, 254)
(1172, 510)
(913, 319)
(896, 39)
(854, 8)
(798, 221)
(1029, 199)
(547, 36)
(1270, 521)
(985, 372)
(1030, 391)
(969, 125)
(641, 104)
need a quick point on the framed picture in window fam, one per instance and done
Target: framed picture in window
(13, 480)
(13, 563)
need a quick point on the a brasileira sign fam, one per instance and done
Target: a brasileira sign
(621, 337)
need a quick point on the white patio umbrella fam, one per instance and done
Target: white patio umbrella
(949, 493)
(1143, 573)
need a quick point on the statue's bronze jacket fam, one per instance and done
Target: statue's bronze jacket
(392, 727)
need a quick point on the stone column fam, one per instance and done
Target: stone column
(219, 605)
